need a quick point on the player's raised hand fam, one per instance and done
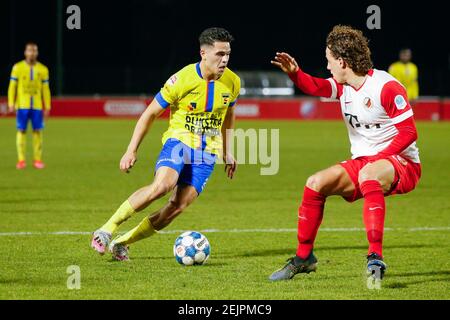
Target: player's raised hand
(285, 62)
(127, 162)
(230, 165)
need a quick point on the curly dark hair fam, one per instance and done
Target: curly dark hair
(211, 35)
(352, 46)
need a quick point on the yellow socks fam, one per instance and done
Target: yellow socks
(143, 230)
(122, 214)
(21, 143)
(37, 145)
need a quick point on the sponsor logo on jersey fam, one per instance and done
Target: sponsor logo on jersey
(352, 120)
(400, 102)
(207, 124)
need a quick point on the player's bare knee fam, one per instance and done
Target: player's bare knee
(315, 182)
(159, 189)
(365, 175)
(369, 173)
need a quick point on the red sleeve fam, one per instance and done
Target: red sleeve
(395, 101)
(327, 88)
(407, 134)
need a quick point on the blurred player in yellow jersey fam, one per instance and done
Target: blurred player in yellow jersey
(201, 97)
(29, 96)
(406, 72)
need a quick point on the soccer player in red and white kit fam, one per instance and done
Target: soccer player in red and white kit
(382, 132)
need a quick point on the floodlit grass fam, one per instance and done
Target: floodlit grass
(82, 186)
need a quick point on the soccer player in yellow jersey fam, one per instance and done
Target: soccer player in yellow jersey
(28, 88)
(406, 72)
(201, 98)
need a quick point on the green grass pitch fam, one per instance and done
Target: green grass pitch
(82, 186)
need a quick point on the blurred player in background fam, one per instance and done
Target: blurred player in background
(29, 96)
(407, 73)
(201, 98)
(382, 132)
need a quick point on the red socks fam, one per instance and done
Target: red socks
(374, 212)
(310, 215)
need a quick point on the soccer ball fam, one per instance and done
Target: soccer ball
(191, 248)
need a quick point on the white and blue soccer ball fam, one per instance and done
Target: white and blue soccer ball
(191, 248)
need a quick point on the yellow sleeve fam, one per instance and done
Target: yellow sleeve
(415, 84)
(393, 71)
(46, 89)
(171, 92)
(416, 72)
(390, 69)
(12, 88)
(414, 91)
(236, 91)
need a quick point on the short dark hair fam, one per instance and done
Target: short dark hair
(211, 35)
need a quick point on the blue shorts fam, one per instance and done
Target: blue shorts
(36, 117)
(194, 166)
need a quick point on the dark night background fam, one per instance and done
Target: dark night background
(132, 47)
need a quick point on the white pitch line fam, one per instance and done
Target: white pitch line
(415, 229)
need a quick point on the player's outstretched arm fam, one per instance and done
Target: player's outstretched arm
(308, 84)
(153, 111)
(285, 62)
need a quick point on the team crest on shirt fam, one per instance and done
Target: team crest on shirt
(400, 102)
(225, 98)
(367, 102)
(172, 80)
(192, 106)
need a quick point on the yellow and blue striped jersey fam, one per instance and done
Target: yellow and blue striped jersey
(198, 107)
(28, 86)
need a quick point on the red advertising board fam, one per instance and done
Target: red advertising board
(295, 108)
